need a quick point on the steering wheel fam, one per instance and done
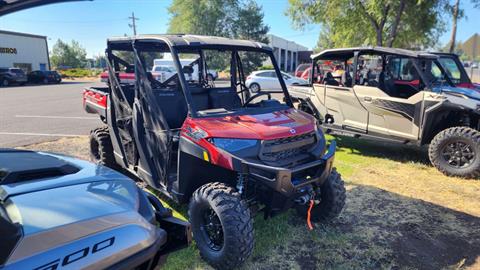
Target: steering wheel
(257, 95)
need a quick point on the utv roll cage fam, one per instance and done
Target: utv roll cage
(345, 54)
(144, 133)
(175, 44)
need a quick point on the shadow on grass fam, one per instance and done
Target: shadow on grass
(393, 151)
(377, 230)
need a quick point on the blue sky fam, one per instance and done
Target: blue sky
(91, 23)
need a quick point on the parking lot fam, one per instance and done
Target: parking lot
(37, 113)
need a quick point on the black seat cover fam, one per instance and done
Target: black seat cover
(225, 97)
(173, 106)
(347, 80)
(199, 98)
(329, 80)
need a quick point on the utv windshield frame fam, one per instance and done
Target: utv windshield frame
(175, 45)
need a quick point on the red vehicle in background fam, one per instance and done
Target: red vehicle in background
(304, 71)
(301, 69)
(124, 77)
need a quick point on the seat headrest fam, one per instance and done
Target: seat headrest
(197, 90)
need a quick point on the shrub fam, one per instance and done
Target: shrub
(80, 72)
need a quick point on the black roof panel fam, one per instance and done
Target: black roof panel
(186, 40)
(347, 53)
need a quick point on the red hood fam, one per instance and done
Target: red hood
(266, 126)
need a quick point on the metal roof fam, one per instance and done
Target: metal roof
(347, 53)
(21, 34)
(179, 40)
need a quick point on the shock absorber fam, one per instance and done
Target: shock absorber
(241, 179)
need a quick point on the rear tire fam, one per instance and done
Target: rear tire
(456, 152)
(332, 200)
(222, 225)
(101, 149)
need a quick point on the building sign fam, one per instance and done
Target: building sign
(8, 50)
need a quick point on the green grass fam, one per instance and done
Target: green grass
(80, 72)
(387, 185)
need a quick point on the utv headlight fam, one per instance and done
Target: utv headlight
(233, 145)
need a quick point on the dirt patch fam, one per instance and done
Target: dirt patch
(76, 147)
(418, 249)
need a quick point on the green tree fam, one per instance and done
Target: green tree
(457, 13)
(399, 23)
(250, 26)
(70, 55)
(241, 19)
(202, 17)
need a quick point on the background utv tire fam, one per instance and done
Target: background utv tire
(101, 150)
(236, 225)
(332, 201)
(450, 149)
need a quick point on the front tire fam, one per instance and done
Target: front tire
(222, 225)
(101, 149)
(456, 152)
(332, 200)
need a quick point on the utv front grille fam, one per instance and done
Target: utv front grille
(284, 151)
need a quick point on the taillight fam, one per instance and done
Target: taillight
(249, 77)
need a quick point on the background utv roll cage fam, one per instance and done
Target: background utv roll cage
(358, 53)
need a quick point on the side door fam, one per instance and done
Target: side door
(343, 105)
(394, 103)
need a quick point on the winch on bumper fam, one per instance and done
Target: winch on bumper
(290, 184)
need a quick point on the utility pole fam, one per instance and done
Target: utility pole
(133, 25)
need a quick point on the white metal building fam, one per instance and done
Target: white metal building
(286, 52)
(26, 51)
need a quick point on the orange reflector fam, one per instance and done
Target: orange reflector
(205, 156)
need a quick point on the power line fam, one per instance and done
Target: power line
(133, 25)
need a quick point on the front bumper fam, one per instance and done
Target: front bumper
(290, 182)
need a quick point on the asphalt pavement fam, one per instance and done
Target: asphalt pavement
(38, 113)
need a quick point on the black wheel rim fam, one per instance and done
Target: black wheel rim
(459, 154)
(94, 150)
(212, 230)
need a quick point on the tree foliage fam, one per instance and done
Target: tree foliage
(71, 55)
(241, 19)
(392, 23)
(457, 13)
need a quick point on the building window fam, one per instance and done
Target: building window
(25, 66)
